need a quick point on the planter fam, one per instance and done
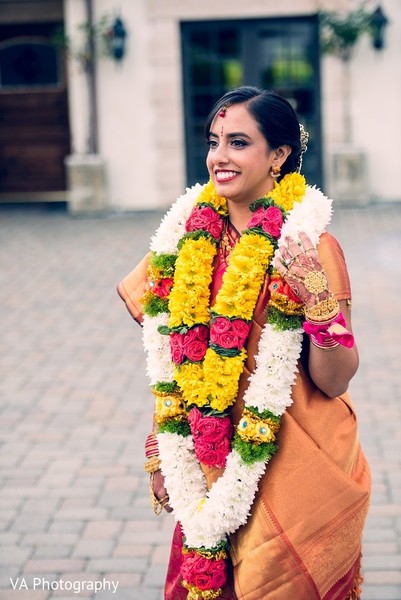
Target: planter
(87, 194)
(348, 175)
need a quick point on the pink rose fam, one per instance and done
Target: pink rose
(204, 217)
(212, 455)
(199, 332)
(257, 217)
(240, 328)
(273, 221)
(270, 219)
(194, 416)
(195, 350)
(177, 348)
(221, 324)
(214, 429)
(224, 340)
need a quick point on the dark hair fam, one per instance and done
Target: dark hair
(274, 115)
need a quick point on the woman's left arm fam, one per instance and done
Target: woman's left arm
(331, 364)
(331, 369)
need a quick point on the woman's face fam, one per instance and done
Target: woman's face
(239, 158)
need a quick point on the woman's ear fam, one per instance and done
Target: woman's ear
(282, 153)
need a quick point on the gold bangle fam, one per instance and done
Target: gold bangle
(324, 311)
(157, 504)
(152, 464)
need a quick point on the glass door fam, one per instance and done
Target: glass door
(277, 54)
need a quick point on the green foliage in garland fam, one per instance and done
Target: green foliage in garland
(251, 453)
(168, 387)
(155, 305)
(265, 414)
(281, 321)
(195, 235)
(164, 262)
(175, 426)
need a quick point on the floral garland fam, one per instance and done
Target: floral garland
(196, 354)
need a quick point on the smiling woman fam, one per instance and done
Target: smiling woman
(247, 331)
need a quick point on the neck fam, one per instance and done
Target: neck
(239, 215)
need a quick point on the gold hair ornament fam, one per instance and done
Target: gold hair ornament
(304, 138)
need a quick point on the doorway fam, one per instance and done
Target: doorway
(278, 54)
(34, 126)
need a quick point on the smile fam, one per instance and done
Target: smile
(223, 176)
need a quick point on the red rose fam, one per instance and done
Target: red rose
(218, 573)
(188, 561)
(225, 340)
(201, 564)
(199, 333)
(162, 288)
(212, 454)
(195, 350)
(240, 328)
(177, 348)
(202, 582)
(221, 324)
(281, 287)
(214, 429)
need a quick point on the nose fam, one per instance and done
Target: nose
(220, 155)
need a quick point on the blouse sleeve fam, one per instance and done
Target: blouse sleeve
(132, 288)
(333, 262)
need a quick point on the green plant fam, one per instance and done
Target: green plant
(91, 40)
(339, 32)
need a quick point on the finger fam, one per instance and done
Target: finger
(306, 241)
(293, 246)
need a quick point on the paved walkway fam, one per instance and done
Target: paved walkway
(75, 410)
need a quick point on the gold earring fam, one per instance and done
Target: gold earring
(275, 172)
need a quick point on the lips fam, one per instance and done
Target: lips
(224, 176)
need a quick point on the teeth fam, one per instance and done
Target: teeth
(225, 174)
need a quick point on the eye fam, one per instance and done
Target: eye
(237, 143)
(212, 143)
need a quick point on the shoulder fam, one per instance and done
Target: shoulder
(333, 261)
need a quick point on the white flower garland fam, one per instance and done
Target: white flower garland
(208, 517)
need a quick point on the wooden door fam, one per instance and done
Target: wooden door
(34, 130)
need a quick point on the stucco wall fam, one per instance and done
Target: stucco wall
(141, 107)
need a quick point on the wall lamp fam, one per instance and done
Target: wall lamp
(378, 23)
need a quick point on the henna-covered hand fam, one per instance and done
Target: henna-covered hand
(300, 266)
(159, 489)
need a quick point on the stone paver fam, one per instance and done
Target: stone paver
(75, 408)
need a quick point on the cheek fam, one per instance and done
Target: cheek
(209, 162)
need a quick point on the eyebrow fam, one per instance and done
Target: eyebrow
(231, 135)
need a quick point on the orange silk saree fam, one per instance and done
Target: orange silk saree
(302, 540)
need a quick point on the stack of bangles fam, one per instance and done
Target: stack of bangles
(326, 326)
(152, 465)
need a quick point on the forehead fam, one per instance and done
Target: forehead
(236, 119)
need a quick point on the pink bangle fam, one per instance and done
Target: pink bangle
(151, 446)
(329, 334)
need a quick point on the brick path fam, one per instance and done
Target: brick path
(74, 413)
